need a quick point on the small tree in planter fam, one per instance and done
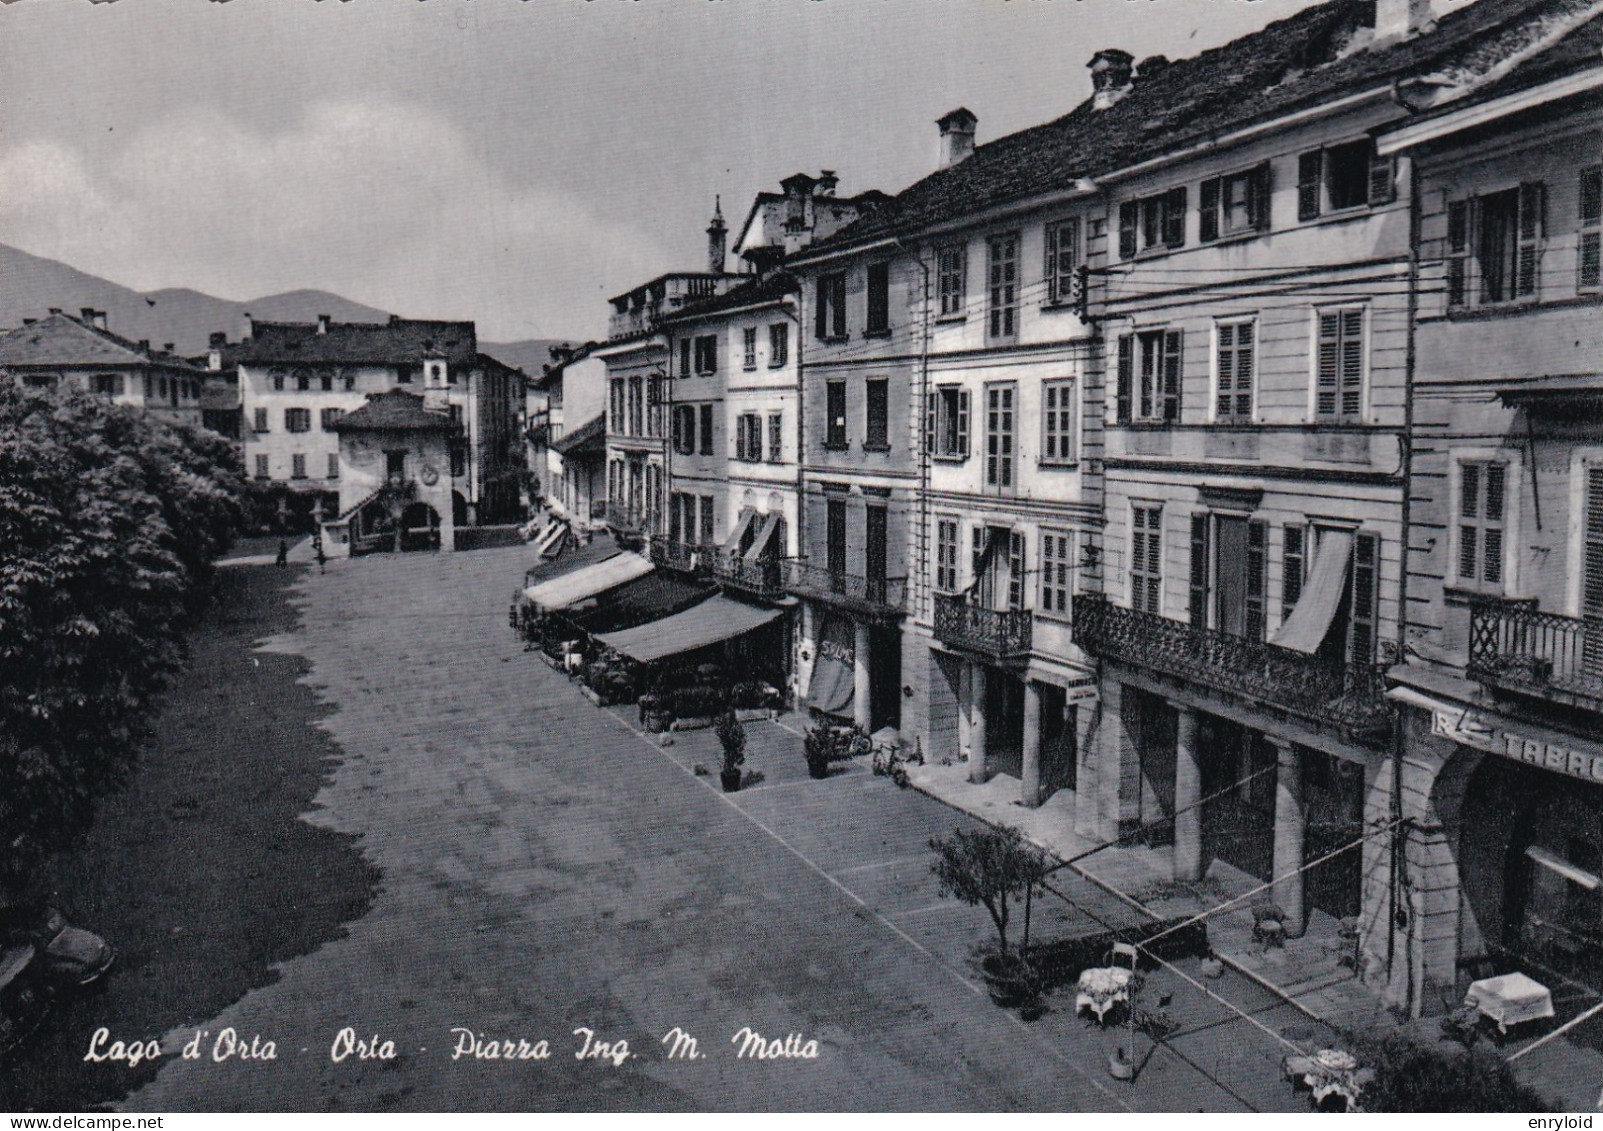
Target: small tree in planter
(732, 737)
(991, 868)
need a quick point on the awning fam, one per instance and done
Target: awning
(1555, 391)
(732, 543)
(648, 598)
(764, 537)
(570, 588)
(714, 620)
(834, 684)
(1305, 629)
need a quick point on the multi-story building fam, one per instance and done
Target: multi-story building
(297, 380)
(61, 351)
(1502, 689)
(566, 431)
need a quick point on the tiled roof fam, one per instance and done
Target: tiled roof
(62, 340)
(590, 436)
(1313, 57)
(770, 288)
(401, 341)
(394, 411)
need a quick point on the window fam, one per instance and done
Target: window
(459, 460)
(261, 467)
(1361, 634)
(1016, 569)
(749, 437)
(403, 373)
(333, 465)
(1152, 393)
(686, 365)
(831, 312)
(1480, 524)
(1293, 564)
(654, 403)
(297, 420)
(1457, 257)
(1003, 278)
(617, 422)
(1507, 228)
(879, 299)
(1340, 177)
(330, 416)
(455, 413)
(778, 344)
(108, 384)
(1146, 559)
(835, 537)
(278, 380)
(1057, 571)
(951, 265)
(1233, 377)
(1589, 269)
(949, 424)
(1062, 262)
(707, 503)
(1234, 204)
(1057, 421)
(297, 466)
(259, 423)
(706, 429)
(1152, 223)
(636, 407)
(1339, 385)
(946, 555)
(876, 549)
(999, 435)
(834, 414)
(325, 381)
(349, 378)
(1229, 556)
(776, 437)
(303, 380)
(877, 432)
(707, 354)
(748, 338)
(684, 429)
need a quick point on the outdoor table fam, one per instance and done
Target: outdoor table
(1329, 1072)
(1100, 987)
(1510, 999)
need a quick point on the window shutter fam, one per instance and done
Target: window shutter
(1329, 359)
(1199, 570)
(1352, 363)
(1174, 217)
(930, 400)
(1257, 545)
(1126, 376)
(1457, 251)
(1172, 341)
(1589, 268)
(1492, 512)
(1128, 219)
(1050, 271)
(1310, 166)
(962, 421)
(821, 309)
(1382, 180)
(1016, 569)
(1532, 221)
(1291, 571)
(1208, 210)
(1592, 579)
(1366, 563)
(1259, 192)
(1223, 403)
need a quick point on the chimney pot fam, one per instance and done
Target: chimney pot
(1151, 66)
(87, 314)
(322, 323)
(167, 347)
(144, 345)
(248, 330)
(217, 340)
(1110, 76)
(1399, 19)
(29, 321)
(100, 319)
(55, 310)
(957, 136)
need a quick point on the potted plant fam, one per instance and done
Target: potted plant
(732, 737)
(819, 748)
(993, 868)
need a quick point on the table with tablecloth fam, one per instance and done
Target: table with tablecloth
(1510, 999)
(1100, 987)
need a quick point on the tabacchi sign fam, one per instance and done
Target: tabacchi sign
(1472, 729)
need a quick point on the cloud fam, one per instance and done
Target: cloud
(381, 201)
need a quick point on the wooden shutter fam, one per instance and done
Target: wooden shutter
(1201, 567)
(821, 311)
(1457, 251)
(1126, 377)
(1589, 266)
(1174, 217)
(1208, 210)
(931, 399)
(1224, 399)
(1352, 363)
(1172, 342)
(1259, 193)
(1382, 179)
(1129, 217)
(1016, 569)
(1310, 167)
(1365, 574)
(1257, 554)
(1292, 560)
(962, 421)
(1592, 574)
(1532, 222)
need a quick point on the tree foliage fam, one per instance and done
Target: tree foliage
(109, 522)
(1414, 1073)
(988, 868)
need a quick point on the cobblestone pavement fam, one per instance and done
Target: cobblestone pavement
(548, 868)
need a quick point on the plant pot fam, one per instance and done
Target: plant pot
(1009, 981)
(818, 770)
(1120, 1068)
(657, 721)
(730, 780)
(1212, 968)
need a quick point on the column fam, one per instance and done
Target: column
(965, 696)
(861, 686)
(978, 771)
(1030, 790)
(1289, 818)
(1187, 792)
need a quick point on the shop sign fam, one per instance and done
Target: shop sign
(1471, 728)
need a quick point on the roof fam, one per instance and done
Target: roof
(714, 620)
(1554, 390)
(216, 395)
(1316, 56)
(399, 341)
(570, 588)
(589, 436)
(772, 287)
(551, 373)
(394, 411)
(62, 340)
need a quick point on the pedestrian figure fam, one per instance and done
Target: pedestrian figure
(317, 545)
(283, 552)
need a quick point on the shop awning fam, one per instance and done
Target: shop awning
(645, 599)
(1554, 392)
(571, 588)
(833, 687)
(732, 543)
(1305, 629)
(764, 537)
(714, 620)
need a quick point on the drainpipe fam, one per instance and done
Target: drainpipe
(921, 428)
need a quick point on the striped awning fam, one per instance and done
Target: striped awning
(571, 588)
(714, 620)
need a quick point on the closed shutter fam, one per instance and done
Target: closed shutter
(1260, 191)
(1257, 555)
(1382, 180)
(1589, 268)
(1174, 218)
(1532, 222)
(1172, 342)
(1592, 573)
(1365, 574)
(1208, 210)
(1310, 166)
(1200, 569)
(1126, 376)
(1128, 218)
(1457, 251)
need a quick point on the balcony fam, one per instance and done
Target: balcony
(1514, 646)
(1000, 636)
(764, 579)
(867, 596)
(629, 519)
(1353, 696)
(682, 557)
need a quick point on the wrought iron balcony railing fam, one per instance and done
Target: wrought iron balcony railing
(1351, 695)
(764, 579)
(877, 596)
(633, 519)
(999, 635)
(1515, 646)
(682, 557)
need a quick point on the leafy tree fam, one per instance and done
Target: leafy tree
(1420, 1074)
(988, 868)
(109, 521)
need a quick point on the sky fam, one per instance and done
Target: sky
(514, 162)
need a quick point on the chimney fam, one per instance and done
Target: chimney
(1110, 76)
(167, 347)
(322, 323)
(216, 340)
(29, 321)
(827, 180)
(1399, 19)
(144, 345)
(717, 231)
(957, 136)
(247, 331)
(55, 310)
(1151, 66)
